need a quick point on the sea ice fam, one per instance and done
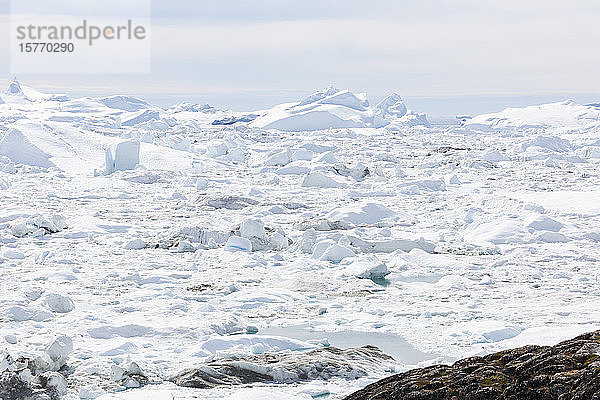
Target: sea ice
(447, 227)
(319, 179)
(331, 251)
(366, 213)
(59, 303)
(135, 244)
(542, 223)
(369, 267)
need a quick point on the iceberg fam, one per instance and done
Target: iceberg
(329, 108)
(20, 150)
(122, 156)
(566, 114)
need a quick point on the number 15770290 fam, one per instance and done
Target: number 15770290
(46, 47)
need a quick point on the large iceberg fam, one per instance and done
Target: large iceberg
(566, 114)
(14, 88)
(19, 94)
(391, 107)
(330, 108)
(393, 110)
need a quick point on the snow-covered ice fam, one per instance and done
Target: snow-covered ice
(334, 108)
(566, 114)
(137, 242)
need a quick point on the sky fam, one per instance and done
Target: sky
(443, 57)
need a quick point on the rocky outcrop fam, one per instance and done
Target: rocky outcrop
(568, 371)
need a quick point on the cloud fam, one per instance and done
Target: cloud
(478, 53)
(426, 48)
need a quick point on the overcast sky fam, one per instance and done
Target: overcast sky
(443, 57)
